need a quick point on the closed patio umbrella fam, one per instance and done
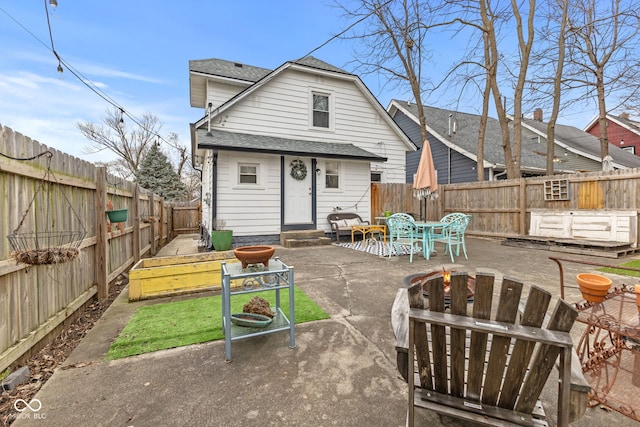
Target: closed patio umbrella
(425, 183)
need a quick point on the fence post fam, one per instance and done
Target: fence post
(523, 207)
(135, 212)
(167, 219)
(152, 234)
(102, 241)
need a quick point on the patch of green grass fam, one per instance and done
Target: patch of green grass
(4, 374)
(632, 264)
(196, 320)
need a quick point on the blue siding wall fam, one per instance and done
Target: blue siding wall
(452, 166)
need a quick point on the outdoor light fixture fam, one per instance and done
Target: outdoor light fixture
(53, 3)
(60, 69)
(207, 199)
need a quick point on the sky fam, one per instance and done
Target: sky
(138, 52)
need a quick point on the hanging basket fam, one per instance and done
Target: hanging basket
(118, 215)
(46, 248)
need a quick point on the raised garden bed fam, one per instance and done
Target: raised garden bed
(167, 276)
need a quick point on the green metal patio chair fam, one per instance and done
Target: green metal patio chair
(403, 231)
(439, 232)
(452, 234)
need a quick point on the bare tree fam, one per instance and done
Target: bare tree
(181, 159)
(563, 5)
(130, 146)
(394, 45)
(602, 55)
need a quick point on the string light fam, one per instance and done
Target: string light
(53, 3)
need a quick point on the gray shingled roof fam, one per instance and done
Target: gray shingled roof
(229, 69)
(313, 62)
(232, 141)
(633, 125)
(533, 156)
(466, 135)
(237, 70)
(587, 143)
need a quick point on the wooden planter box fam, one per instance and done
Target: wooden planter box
(167, 276)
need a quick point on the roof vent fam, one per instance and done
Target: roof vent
(237, 64)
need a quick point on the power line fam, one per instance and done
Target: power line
(347, 29)
(77, 74)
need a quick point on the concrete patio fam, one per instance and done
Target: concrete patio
(342, 372)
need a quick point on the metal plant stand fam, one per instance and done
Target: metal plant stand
(257, 278)
(609, 351)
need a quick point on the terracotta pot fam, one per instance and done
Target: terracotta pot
(254, 254)
(594, 287)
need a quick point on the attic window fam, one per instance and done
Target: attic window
(321, 110)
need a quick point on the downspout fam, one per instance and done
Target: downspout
(214, 189)
(449, 165)
(495, 176)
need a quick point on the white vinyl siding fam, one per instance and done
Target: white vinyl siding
(281, 109)
(249, 209)
(218, 93)
(354, 196)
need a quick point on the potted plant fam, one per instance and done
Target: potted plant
(221, 238)
(594, 287)
(116, 215)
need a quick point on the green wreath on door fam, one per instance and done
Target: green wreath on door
(298, 170)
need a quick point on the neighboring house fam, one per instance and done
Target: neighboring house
(281, 149)
(453, 137)
(578, 150)
(621, 131)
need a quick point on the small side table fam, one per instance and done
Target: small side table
(254, 278)
(369, 229)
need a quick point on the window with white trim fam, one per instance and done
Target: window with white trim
(630, 149)
(247, 173)
(332, 175)
(321, 114)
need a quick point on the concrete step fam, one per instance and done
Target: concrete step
(303, 238)
(299, 243)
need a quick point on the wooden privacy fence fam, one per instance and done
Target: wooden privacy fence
(36, 299)
(503, 208)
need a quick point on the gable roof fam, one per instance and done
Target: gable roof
(584, 144)
(227, 69)
(223, 68)
(533, 155)
(459, 132)
(307, 64)
(625, 122)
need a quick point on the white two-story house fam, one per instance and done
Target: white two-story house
(281, 149)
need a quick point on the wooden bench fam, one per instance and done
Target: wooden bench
(483, 346)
